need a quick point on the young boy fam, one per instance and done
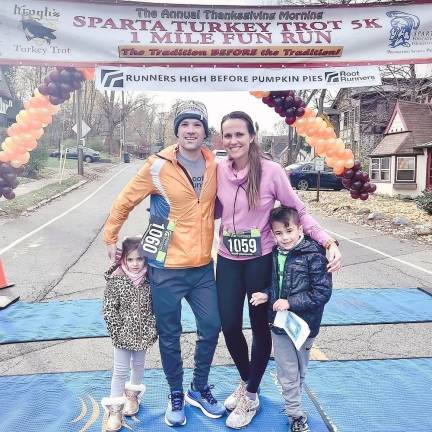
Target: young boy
(300, 284)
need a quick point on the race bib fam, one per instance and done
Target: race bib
(246, 243)
(155, 240)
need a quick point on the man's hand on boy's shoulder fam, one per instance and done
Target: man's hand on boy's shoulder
(281, 305)
(258, 298)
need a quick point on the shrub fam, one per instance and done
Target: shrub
(424, 201)
(38, 160)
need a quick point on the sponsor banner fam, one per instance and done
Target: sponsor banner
(229, 79)
(83, 33)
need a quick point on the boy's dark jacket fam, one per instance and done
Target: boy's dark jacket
(306, 283)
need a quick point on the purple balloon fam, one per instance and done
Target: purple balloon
(354, 193)
(357, 165)
(279, 109)
(372, 187)
(364, 196)
(348, 174)
(290, 120)
(5, 168)
(53, 89)
(66, 76)
(43, 89)
(278, 101)
(300, 112)
(358, 176)
(365, 177)
(76, 85)
(347, 183)
(357, 185)
(77, 75)
(10, 195)
(298, 102)
(55, 100)
(290, 112)
(289, 102)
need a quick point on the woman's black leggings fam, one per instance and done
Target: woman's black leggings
(235, 279)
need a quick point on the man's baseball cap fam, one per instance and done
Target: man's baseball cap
(191, 110)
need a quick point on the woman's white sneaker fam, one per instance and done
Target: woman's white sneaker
(244, 413)
(232, 400)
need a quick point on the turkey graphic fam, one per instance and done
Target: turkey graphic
(33, 29)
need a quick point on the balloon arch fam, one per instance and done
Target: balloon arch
(62, 81)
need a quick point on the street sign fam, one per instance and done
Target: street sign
(85, 128)
(319, 164)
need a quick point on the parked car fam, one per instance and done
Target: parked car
(303, 176)
(219, 154)
(89, 154)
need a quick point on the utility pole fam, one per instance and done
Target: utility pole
(79, 132)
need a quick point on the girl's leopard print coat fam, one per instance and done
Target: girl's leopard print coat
(128, 313)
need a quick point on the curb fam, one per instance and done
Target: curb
(47, 200)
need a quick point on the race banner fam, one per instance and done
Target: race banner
(225, 79)
(83, 33)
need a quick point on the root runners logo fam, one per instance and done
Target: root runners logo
(402, 25)
(332, 76)
(38, 23)
(111, 78)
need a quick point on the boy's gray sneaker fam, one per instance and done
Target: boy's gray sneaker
(299, 424)
(205, 401)
(175, 412)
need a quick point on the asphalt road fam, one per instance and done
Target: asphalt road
(57, 252)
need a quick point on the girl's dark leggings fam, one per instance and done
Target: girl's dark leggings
(235, 279)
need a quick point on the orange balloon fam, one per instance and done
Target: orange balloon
(41, 114)
(338, 170)
(36, 102)
(259, 94)
(53, 109)
(24, 118)
(36, 133)
(31, 145)
(88, 73)
(309, 113)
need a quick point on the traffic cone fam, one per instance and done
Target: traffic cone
(3, 281)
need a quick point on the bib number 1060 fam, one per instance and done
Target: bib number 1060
(242, 245)
(153, 238)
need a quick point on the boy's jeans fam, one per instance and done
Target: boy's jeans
(198, 287)
(291, 371)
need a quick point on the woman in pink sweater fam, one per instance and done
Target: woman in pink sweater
(248, 187)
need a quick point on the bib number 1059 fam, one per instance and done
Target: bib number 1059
(246, 243)
(242, 245)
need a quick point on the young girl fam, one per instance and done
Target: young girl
(128, 313)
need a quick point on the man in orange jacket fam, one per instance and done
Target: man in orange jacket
(181, 182)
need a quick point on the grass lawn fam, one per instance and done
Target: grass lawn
(53, 162)
(22, 202)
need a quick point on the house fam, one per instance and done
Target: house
(360, 115)
(401, 162)
(5, 102)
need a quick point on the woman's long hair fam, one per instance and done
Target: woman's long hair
(255, 156)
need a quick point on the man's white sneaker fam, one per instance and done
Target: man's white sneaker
(244, 413)
(232, 400)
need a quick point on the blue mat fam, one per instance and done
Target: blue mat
(374, 395)
(54, 402)
(25, 322)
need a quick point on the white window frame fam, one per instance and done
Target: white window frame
(380, 169)
(397, 170)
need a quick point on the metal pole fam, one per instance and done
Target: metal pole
(318, 185)
(123, 127)
(79, 132)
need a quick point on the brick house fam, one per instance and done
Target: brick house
(401, 164)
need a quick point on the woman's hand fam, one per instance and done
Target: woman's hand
(258, 298)
(335, 258)
(281, 305)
